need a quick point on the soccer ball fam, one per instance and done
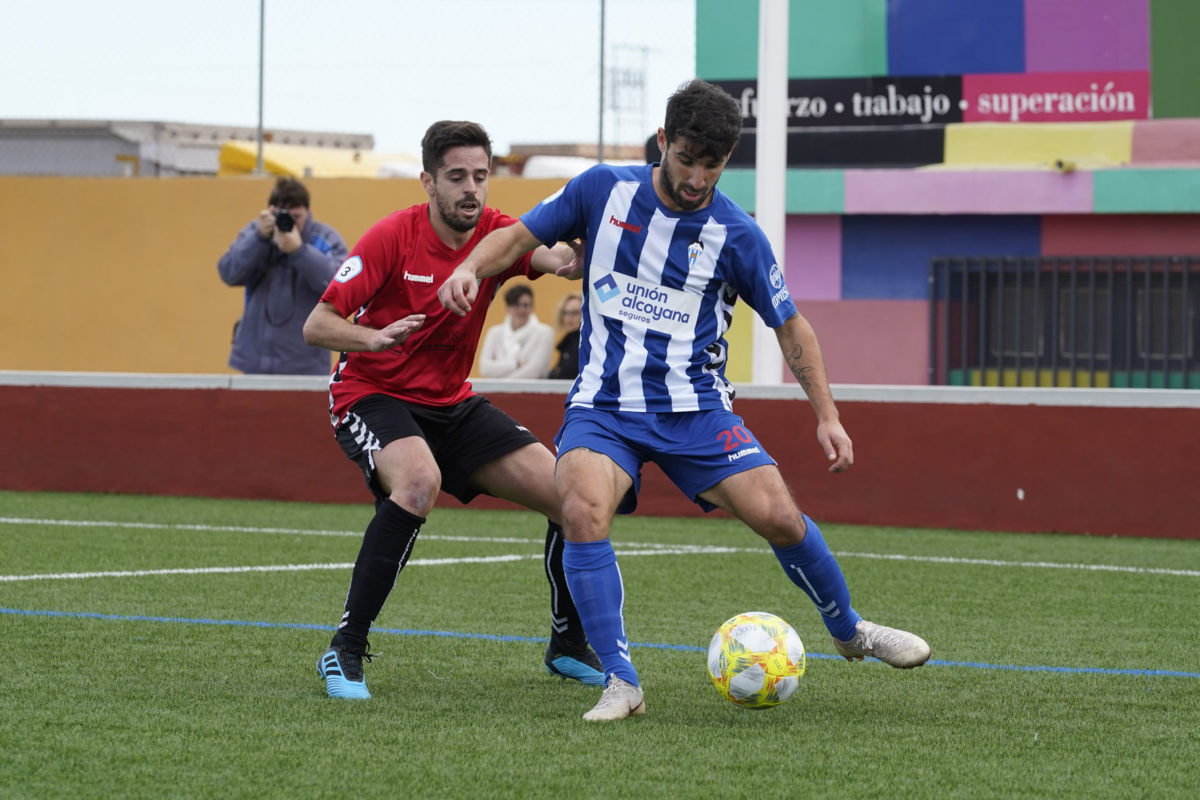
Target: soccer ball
(755, 660)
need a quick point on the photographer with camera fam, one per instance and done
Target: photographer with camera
(285, 259)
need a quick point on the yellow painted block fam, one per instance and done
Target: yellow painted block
(299, 161)
(1043, 378)
(739, 368)
(1062, 145)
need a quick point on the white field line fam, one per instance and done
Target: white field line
(419, 562)
(625, 549)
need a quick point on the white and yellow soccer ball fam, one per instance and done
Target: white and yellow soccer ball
(755, 660)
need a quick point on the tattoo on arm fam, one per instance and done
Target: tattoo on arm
(799, 369)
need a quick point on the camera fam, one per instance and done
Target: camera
(284, 221)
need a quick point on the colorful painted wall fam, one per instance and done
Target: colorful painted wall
(871, 202)
(131, 263)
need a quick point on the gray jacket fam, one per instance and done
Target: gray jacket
(281, 290)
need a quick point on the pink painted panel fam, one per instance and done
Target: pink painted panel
(1082, 35)
(1166, 141)
(814, 256)
(879, 191)
(871, 341)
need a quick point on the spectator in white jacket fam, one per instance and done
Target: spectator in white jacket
(519, 347)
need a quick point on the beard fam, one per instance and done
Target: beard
(668, 184)
(455, 217)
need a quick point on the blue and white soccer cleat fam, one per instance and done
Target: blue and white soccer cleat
(342, 670)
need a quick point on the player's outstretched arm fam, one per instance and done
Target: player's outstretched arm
(798, 342)
(326, 327)
(495, 253)
(565, 259)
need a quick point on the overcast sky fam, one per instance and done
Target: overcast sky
(526, 69)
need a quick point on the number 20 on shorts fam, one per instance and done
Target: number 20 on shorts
(735, 437)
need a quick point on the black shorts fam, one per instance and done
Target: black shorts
(462, 437)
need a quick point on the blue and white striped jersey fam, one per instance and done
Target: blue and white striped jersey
(659, 290)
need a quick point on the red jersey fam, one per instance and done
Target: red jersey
(395, 270)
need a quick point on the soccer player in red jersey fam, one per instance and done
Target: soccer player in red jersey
(402, 408)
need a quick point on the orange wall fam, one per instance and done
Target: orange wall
(1120, 471)
(120, 275)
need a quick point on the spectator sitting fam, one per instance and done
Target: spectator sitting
(520, 346)
(285, 259)
(570, 316)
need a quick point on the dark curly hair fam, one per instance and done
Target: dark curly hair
(706, 116)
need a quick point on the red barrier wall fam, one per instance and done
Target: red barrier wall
(1102, 470)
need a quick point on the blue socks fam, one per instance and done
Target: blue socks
(813, 568)
(595, 583)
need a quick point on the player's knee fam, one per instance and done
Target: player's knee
(584, 520)
(417, 490)
(782, 525)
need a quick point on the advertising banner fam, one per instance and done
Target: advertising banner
(1056, 97)
(842, 102)
(898, 121)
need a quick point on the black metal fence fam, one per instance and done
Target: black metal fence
(1104, 321)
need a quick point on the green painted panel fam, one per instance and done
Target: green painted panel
(846, 39)
(816, 191)
(727, 39)
(1147, 191)
(809, 191)
(1173, 81)
(826, 39)
(739, 185)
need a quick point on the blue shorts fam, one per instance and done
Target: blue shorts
(695, 449)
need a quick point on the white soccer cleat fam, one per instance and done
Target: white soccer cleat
(898, 648)
(620, 700)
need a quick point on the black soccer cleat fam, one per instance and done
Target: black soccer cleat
(573, 661)
(342, 670)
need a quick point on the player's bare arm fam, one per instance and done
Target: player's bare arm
(563, 259)
(326, 327)
(494, 254)
(798, 342)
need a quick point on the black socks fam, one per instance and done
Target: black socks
(386, 546)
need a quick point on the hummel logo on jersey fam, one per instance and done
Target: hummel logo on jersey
(620, 223)
(408, 276)
(606, 288)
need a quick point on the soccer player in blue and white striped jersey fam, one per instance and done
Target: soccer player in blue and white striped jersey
(667, 256)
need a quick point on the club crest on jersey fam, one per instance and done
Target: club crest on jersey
(694, 251)
(350, 267)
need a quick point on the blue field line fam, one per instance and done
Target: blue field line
(307, 626)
